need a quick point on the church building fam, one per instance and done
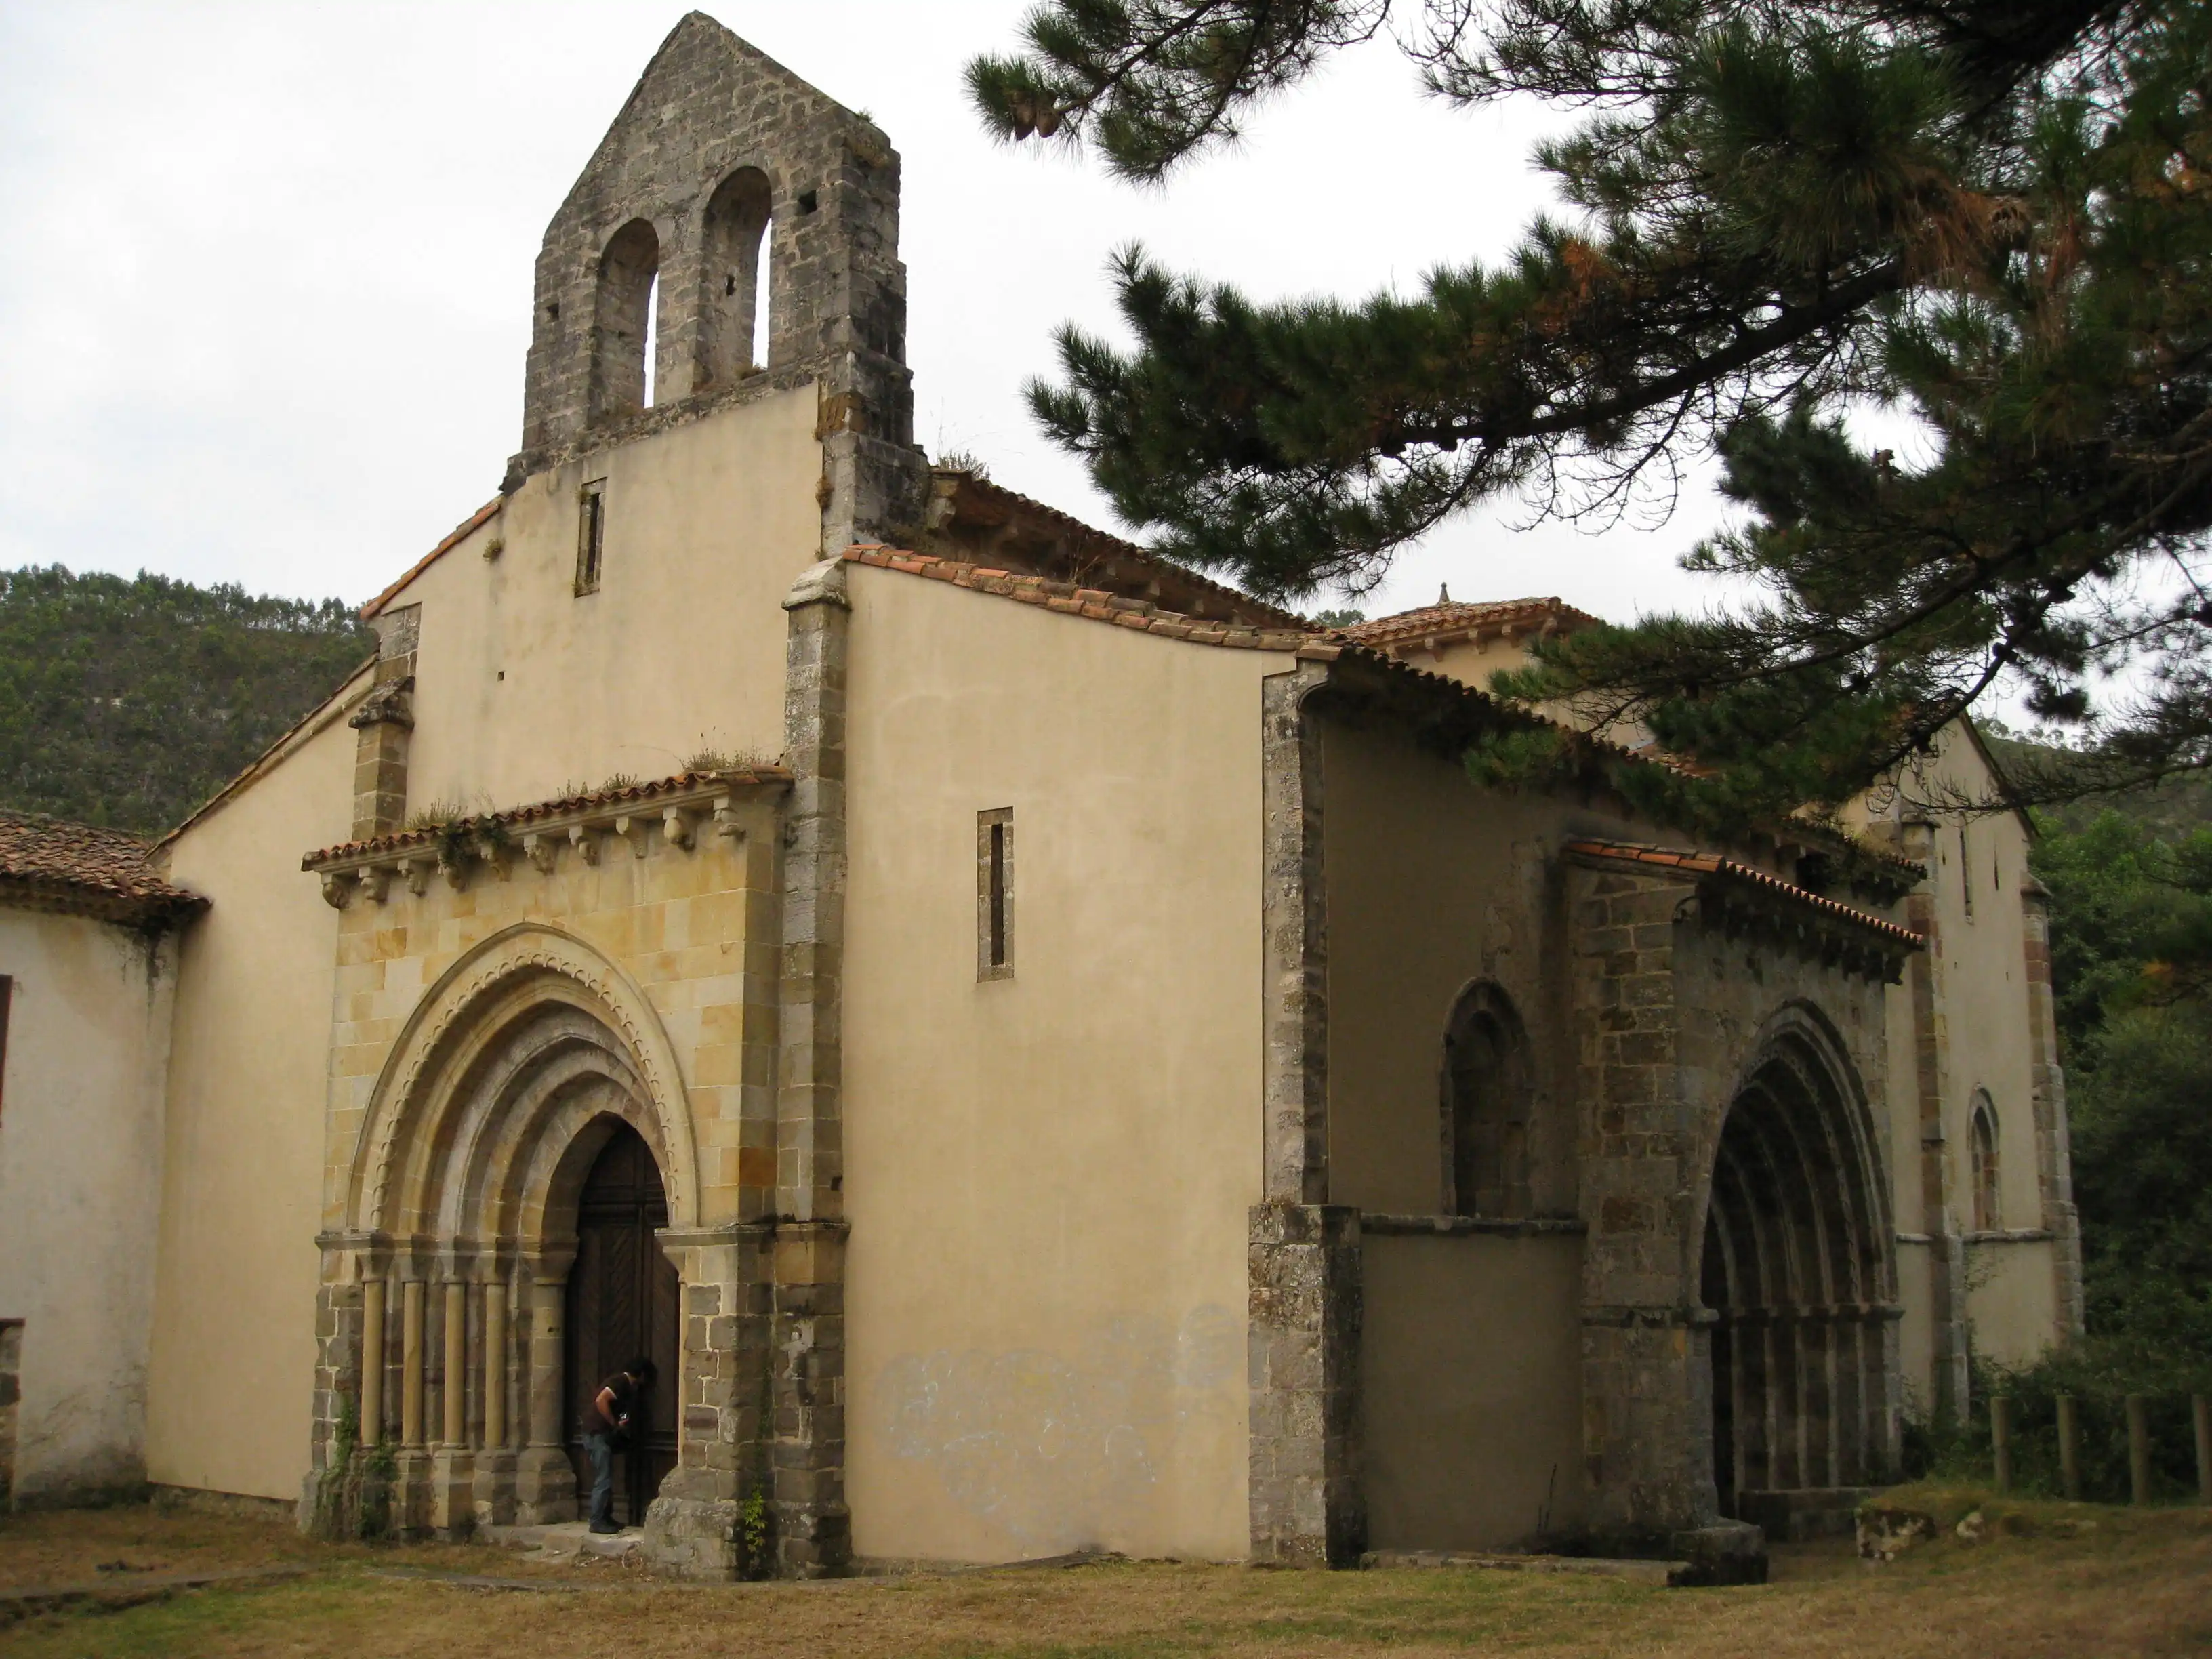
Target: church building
(1046, 1050)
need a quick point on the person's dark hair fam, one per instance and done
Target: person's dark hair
(643, 1370)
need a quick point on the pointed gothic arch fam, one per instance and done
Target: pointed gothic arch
(1799, 1271)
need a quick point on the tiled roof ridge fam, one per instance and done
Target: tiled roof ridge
(687, 782)
(1452, 615)
(1127, 549)
(53, 861)
(459, 533)
(1645, 856)
(1070, 599)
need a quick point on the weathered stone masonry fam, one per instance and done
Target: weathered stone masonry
(712, 123)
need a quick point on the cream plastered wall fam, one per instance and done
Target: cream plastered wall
(233, 1345)
(1049, 1176)
(522, 686)
(2010, 1298)
(1471, 1369)
(87, 1043)
(1433, 883)
(691, 929)
(1981, 1007)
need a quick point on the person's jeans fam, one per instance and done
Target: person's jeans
(603, 1480)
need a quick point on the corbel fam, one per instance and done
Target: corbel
(418, 870)
(676, 824)
(337, 888)
(633, 830)
(725, 818)
(586, 840)
(374, 880)
(540, 849)
(496, 854)
(455, 866)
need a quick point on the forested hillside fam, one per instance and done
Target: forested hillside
(126, 701)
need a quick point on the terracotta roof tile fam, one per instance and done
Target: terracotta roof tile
(1452, 620)
(50, 864)
(1638, 855)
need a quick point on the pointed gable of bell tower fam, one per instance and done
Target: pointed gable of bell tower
(725, 170)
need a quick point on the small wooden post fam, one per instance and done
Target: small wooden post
(2001, 1440)
(2138, 1450)
(2070, 1446)
(2200, 1408)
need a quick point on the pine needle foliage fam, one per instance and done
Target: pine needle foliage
(1992, 216)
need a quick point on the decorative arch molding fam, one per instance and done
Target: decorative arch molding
(515, 1049)
(1797, 1267)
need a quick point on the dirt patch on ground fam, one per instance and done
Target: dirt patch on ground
(2140, 1586)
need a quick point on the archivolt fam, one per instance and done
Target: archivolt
(479, 1121)
(1800, 1265)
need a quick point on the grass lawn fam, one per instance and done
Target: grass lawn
(2070, 1580)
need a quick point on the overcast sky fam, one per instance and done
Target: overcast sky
(265, 290)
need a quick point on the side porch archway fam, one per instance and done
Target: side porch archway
(1798, 1269)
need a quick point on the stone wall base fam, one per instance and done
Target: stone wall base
(544, 1488)
(696, 1538)
(1727, 1553)
(492, 1489)
(234, 1505)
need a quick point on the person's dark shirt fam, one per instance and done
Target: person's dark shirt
(624, 1404)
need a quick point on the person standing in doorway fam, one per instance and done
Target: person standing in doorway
(611, 1422)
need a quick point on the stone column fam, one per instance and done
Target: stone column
(372, 1361)
(813, 1529)
(1946, 1250)
(453, 1494)
(1302, 1262)
(410, 1364)
(2054, 1154)
(692, 1527)
(410, 1492)
(1647, 1347)
(495, 1465)
(544, 1480)
(1304, 1312)
(384, 721)
(338, 1377)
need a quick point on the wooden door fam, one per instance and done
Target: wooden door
(623, 1295)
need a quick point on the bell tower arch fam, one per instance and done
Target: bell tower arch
(733, 172)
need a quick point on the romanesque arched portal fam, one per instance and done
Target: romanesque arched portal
(444, 1290)
(1798, 1267)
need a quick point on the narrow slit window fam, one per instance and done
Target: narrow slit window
(1966, 869)
(994, 893)
(591, 535)
(7, 996)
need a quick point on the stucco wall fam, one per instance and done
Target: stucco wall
(1432, 884)
(1471, 1396)
(80, 1181)
(234, 1327)
(1048, 1175)
(523, 686)
(1984, 1041)
(2008, 1298)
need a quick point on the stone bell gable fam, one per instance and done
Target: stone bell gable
(725, 171)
